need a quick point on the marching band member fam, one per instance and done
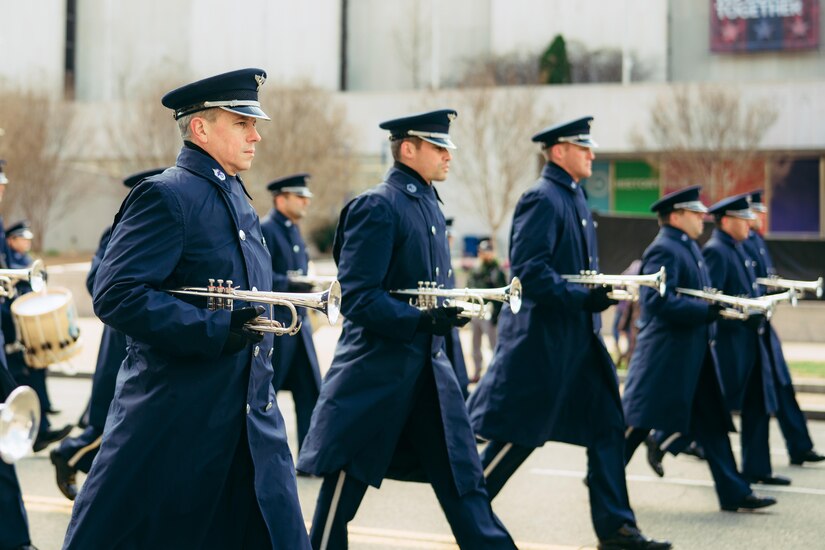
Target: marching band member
(390, 405)
(673, 384)
(295, 362)
(551, 378)
(18, 244)
(791, 420)
(194, 451)
(745, 365)
(75, 454)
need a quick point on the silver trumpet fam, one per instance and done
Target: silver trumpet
(35, 275)
(739, 308)
(19, 424)
(625, 287)
(221, 295)
(800, 287)
(472, 300)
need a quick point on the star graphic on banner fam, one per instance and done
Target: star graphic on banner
(730, 32)
(799, 27)
(763, 30)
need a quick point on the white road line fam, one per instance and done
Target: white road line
(395, 538)
(679, 481)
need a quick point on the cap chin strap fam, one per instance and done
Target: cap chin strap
(583, 140)
(211, 104)
(745, 214)
(695, 206)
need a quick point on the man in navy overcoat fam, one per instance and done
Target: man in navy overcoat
(194, 451)
(791, 419)
(674, 382)
(551, 378)
(746, 369)
(295, 362)
(390, 405)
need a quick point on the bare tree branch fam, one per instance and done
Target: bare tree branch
(707, 135)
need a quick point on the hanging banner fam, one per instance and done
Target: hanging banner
(763, 25)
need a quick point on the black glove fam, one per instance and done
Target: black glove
(294, 286)
(598, 301)
(754, 321)
(714, 312)
(440, 321)
(240, 336)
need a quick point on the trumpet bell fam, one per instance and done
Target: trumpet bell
(19, 424)
(514, 295)
(333, 300)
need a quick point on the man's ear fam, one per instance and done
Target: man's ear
(198, 130)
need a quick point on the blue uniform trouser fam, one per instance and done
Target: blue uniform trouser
(14, 525)
(756, 452)
(710, 432)
(609, 503)
(792, 421)
(301, 382)
(470, 516)
(81, 451)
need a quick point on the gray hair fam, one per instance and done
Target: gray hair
(184, 122)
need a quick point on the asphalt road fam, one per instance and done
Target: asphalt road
(545, 505)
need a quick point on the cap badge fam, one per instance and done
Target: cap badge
(260, 79)
(218, 174)
(411, 187)
(451, 116)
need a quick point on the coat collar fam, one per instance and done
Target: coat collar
(724, 238)
(555, 173)
(410, 185)
(675, 234)
(198, 161)
(276, 215)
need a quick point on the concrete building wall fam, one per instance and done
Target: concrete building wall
(32, 42)
(691, 59)
(125, 47)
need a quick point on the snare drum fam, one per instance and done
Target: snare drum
(47, 326)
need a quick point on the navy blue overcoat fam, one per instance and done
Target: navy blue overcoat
(289, 253)
(388, 238)
(674, 338)
(551, 377)
(763, 267)
(739, 349)
(110, 355)
(181, 406)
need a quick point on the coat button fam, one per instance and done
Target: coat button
(436, 271)
(584, 222)
(247, 408)
(712, 343)
(268, 406)
(256, 351)
(242, 235)
(288, 223)
(254, 289)
(573, 185)
(437, 354)
(296, 248)
(270, 353)
(449, 273)
(432, 228)
(263, 241)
